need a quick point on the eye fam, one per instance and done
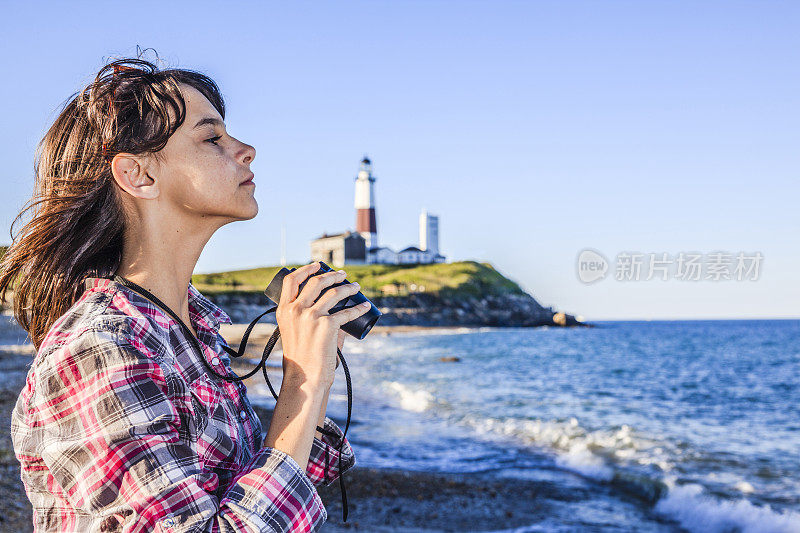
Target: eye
(214, 140)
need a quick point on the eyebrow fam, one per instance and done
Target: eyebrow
(208, 120)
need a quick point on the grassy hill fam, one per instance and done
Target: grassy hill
(463, 278)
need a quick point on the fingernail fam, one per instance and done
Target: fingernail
(365, 304)
(355, 284)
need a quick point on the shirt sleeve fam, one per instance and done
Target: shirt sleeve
(111, 441)
(335, 466)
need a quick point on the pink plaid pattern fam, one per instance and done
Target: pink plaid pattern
(119, 428)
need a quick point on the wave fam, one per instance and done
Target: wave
(596, 455)
(620, 457)
(697, 511)
(17, 348)
(417, 401)
(606, 456)
(584, 451)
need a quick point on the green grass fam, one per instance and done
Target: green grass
(463, 278)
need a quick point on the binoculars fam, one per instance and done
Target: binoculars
(358, 327)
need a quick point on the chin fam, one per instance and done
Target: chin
(252, 212)
(239, 210)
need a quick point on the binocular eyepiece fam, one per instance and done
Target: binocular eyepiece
(358, 327)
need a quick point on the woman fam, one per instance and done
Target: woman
(120, 426)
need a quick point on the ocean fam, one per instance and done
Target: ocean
(698, 421)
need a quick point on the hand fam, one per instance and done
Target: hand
(339, 344)
(309, 334)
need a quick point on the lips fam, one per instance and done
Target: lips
(248, 180)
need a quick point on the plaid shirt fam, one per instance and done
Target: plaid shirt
(120, 428)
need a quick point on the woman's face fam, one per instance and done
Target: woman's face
(203, 169)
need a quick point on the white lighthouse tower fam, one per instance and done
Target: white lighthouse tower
(365, 204)
(429, 233)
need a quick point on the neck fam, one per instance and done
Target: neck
(163, 261)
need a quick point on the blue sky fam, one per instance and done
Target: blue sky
(533, 129)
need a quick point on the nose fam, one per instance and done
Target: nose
(248, 153)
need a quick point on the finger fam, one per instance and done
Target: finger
(292, 281)
(335, 295)
(351, 313)
(311, 291)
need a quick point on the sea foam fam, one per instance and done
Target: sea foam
(599, 455)
(697, 511)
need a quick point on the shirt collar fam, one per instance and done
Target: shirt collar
(207, 310)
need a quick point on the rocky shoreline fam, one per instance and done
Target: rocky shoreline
(425, 310)
(17, 513)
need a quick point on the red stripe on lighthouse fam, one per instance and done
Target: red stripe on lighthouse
(365, 221)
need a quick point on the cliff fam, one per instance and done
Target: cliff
(465, 293)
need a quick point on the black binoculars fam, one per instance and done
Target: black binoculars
(358, 327)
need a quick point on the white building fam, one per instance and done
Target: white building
(429, 237)
(339, 249)
(382, 255)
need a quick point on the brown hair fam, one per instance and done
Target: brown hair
(78, 222)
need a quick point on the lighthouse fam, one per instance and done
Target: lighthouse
(365, 204)
(429, 232)
(361, 246)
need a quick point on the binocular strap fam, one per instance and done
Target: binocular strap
(261, 365)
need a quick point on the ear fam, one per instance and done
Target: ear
(131, 174)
